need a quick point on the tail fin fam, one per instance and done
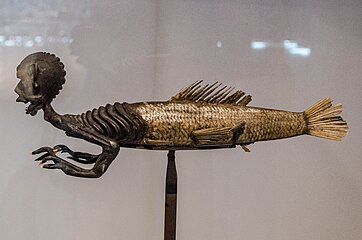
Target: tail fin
(323, 120)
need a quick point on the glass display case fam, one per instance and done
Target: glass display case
(286, 54)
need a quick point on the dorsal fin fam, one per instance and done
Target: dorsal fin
(214, 93)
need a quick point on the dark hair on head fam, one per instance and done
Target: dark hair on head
(50, 73)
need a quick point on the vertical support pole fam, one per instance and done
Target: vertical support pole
(171, 198)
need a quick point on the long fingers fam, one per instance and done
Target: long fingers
(62, 148)
(47, 150)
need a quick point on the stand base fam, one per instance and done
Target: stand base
(170, 217)
(170, 198)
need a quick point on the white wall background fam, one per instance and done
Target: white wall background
(301, 188)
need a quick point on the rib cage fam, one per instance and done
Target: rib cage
(115, 121)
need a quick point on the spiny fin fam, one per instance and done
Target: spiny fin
(214, 93)
(245, 148)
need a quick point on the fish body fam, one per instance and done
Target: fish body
(178, 125)
(212, 116)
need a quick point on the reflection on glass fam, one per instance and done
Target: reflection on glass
(33, 23)
(300, 51)
(290, 46)
(258, 45)
(32, 41)
(219, 44)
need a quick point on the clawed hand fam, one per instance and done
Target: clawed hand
(50, 155)
(59, 163)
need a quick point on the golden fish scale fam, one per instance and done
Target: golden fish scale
(268, 124)
(173, 122)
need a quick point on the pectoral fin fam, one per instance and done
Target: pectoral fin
(218, 136)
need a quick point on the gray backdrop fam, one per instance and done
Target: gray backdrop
(286, 54)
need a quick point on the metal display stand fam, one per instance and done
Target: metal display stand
(170, 198)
